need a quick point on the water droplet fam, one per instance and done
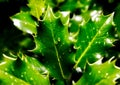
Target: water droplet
(6, 73)
(59, 39)
(106, 74)
(11, 77)
(78, 18)
(28, 67)
(96, 42)
(99, 32)
(87, 37)
(99, 71)
(25, 73)
(83, 41)
(97, 19)
(15, 80)
(90, 73)
(21, 75)
(94, 28)
(108, 41)
(6, 69)
(116, 35)
(107, 33)
(98, 55)
(93, 13)
(12, 83)
(31, 78)
(73, 82)
(56, 42)
(78, 69)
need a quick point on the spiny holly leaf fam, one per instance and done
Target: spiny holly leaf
(37, 7)
(117, 18)
(85, 4)
(100, 73)
(93, 38)
(8, 79)
(24, 69)
(69, 5)
(76, 5)
(53, 45)
(24, 22)
(53, 3)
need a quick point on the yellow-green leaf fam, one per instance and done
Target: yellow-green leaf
(37, 7)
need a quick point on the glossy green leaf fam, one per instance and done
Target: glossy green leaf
(53, 45)
(93, 38)
(24, 69)
(8, 79)
(69, 43)
(100, 73)
(117, 18)
(37, 7)
(24, 22)
(76, 5)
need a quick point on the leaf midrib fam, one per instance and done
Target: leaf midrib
(57, 54)
(89, 45)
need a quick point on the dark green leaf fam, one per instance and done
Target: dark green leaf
(53, 45)
(100, 73)
(93, 37)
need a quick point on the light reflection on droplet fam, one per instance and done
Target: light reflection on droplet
(78, 69)
(59, 39)
(78, 18)
(90, 73)
(98, 55)
(31, 78)
(99, 71)
(95, 15)
(64, 14)
(21, 75)
(108, 41)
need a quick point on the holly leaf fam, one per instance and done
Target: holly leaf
(37, 7)
(116, 18)
(93, 38)
(24, 22)
(53, 45)
(6, 79)
(24, 70)
(100, 73)
(76, 5)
